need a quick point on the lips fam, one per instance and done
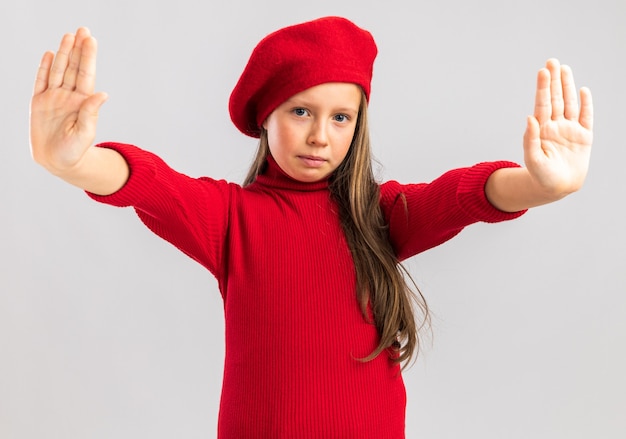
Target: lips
(312, 161)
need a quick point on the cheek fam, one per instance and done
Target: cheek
(276, 139)
(345, 141)
(273, 136)
(278, 130)
(344, 152)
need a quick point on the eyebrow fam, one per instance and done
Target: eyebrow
(347, 110)
(304, 103)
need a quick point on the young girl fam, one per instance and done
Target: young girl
(319, 315)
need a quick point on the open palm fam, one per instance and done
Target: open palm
(558, 138)
(64, 107)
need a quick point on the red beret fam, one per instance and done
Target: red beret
(292, 59)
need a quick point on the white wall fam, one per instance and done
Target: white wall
(108, 332)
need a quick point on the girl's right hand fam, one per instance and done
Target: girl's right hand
(64, 107)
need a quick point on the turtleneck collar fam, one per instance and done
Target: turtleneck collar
(275, 177)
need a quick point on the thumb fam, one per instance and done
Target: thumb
(532, 141)
(88, 113)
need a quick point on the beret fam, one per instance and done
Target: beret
(294, 58)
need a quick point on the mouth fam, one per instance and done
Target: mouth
(312, 161)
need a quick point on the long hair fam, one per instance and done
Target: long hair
(382, 282)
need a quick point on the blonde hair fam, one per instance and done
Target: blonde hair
(381, 278)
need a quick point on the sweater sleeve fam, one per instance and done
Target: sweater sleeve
(425, 215)
(190, 213)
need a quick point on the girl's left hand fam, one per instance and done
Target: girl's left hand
(558, 138)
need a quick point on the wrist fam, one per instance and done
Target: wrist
(515, 189)
(101, 171)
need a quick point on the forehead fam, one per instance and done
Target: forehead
(333, 94)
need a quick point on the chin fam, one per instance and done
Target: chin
(309, 177)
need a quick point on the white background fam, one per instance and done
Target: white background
(108, 332)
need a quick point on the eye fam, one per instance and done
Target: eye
(300, 112)
(341, 118)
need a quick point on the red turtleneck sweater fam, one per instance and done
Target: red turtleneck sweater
(293, 325)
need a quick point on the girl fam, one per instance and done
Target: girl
(319, 315)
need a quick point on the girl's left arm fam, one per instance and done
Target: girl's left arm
(557, 145)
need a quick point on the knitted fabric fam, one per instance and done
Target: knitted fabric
(292, 59)
(294, 329)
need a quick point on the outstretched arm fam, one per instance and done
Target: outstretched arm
(557, 145)
(64, 115)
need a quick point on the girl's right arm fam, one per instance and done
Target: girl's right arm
(64, 115)
(192, 214)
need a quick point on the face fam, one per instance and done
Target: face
(309, 134)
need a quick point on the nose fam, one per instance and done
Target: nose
(318, 135)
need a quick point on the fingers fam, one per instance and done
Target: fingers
(570, 98)
(69, 78)
(556, 88)
(74, 65)
(532, 141)
(61, 60)
(556, 96)
(586, 109)
(41, 80)
(86, 77)
(543, 105)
